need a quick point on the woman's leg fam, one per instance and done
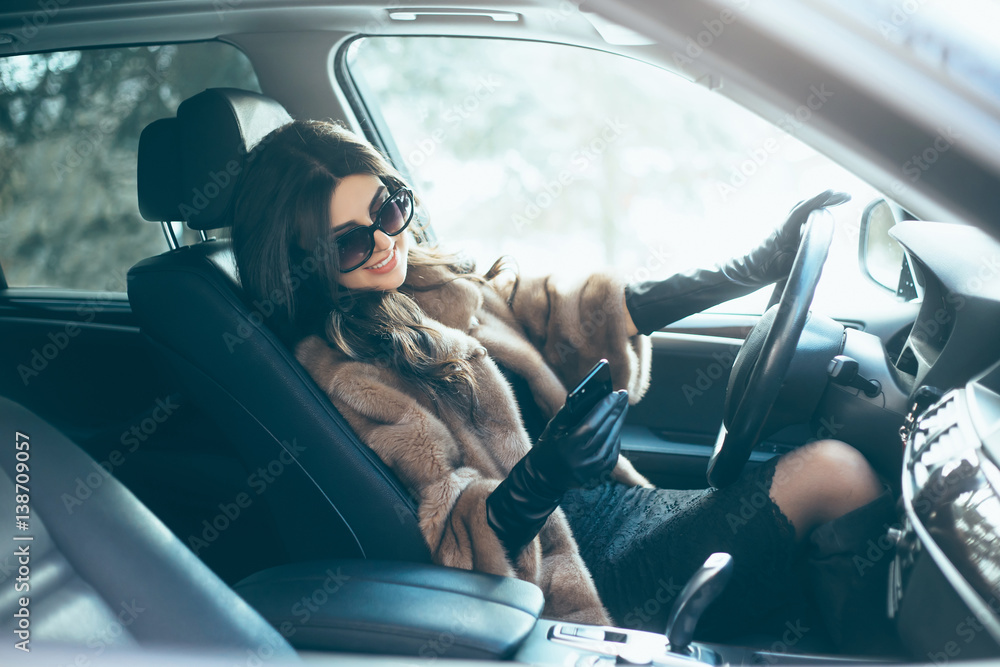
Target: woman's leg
(838, 506)
(821, 481)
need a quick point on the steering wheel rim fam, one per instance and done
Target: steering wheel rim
(740, 435)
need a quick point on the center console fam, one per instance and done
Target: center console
(395, 608)
(571, 645)
(427, 611)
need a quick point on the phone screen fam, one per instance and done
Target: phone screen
(594, 386)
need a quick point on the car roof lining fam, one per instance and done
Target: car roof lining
(101, 23)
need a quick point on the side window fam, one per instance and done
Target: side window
(570, 159)
(69, 132)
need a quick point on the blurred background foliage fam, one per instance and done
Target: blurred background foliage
(69, 132)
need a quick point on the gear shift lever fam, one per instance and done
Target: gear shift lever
(701, 590)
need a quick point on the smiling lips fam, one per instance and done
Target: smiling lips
(386, 265)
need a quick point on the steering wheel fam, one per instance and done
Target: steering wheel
(766, 354)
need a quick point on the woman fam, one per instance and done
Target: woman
(413, 348)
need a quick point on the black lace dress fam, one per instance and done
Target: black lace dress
(642, 545)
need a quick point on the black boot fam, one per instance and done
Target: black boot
(848, 562)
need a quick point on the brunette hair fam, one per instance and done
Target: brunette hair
(286, 256)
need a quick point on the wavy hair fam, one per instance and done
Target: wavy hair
(286, 257)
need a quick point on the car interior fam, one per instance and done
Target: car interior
(192, 488)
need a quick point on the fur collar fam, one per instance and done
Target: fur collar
(451, 301)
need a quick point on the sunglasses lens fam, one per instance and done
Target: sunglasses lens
(356, 246)
(353, 247)
(396, 213)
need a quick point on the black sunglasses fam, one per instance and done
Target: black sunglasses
(356, 246)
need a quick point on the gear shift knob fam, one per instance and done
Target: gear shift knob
(701, 590)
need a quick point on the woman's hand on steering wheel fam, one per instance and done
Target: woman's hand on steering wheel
(772, 260)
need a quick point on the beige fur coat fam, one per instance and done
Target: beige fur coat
(550, 335)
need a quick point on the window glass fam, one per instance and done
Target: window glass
(69, 134)
(956, 37)
(570, 160)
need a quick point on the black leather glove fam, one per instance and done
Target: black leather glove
(654, 304)
(566, 456)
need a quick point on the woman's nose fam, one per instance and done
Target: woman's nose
(382, 241)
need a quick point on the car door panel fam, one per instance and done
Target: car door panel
(671, 432)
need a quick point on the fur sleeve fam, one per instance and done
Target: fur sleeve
(575, 325)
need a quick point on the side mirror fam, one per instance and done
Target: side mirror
(880, 257)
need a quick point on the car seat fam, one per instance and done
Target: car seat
(88, 565)
(335, 497)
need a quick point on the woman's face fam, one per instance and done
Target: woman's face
(354, 203)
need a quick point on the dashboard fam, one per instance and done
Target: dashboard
(944, 588)
(944, 582)
(955, 335)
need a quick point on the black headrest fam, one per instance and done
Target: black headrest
(189, 165)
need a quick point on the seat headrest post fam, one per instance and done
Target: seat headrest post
(168, 231)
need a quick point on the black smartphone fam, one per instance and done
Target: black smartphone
(594, 386)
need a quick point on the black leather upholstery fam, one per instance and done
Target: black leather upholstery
(334, 497)
(395, 608)
(188, 166)
(158, 177)
(104, 571)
